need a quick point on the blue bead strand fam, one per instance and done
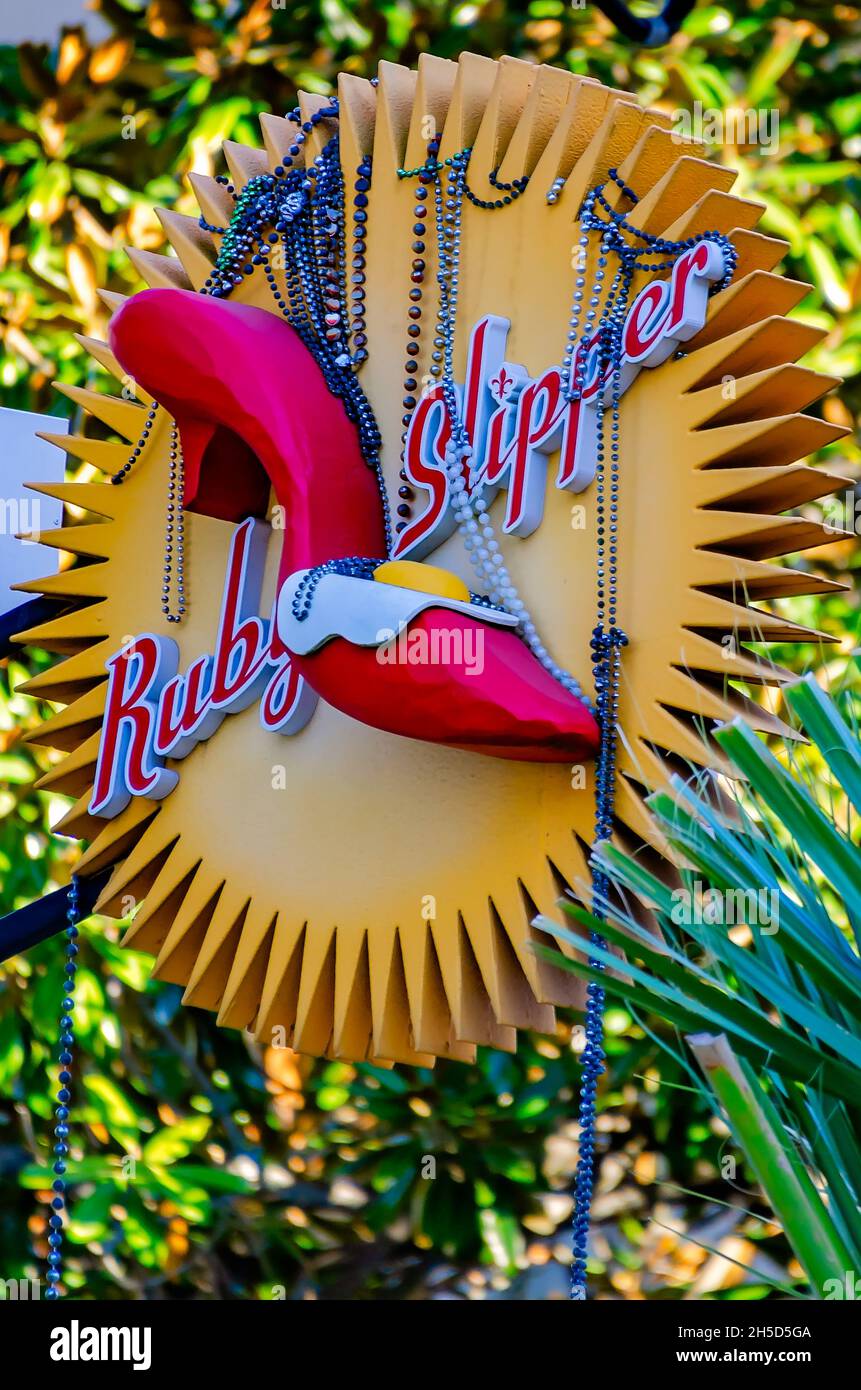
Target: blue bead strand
(510, 192)
(608, 637)
(607, 641)
(64, 1095)
(300, 213)
(121, 475)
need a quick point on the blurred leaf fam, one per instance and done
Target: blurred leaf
(119, 1113)
(176, 1142)
(778, 57)
(11, 1051)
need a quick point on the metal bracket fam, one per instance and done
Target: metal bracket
(47, 916)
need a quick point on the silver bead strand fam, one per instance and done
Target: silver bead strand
(470, 508)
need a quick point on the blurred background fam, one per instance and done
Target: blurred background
(212, 1168)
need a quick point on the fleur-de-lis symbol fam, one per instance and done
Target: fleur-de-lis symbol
(502, 384)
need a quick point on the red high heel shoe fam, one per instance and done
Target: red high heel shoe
(253, 409)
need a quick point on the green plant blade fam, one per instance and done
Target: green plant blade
(710, 1005)
(821, 720)
(757, 1127)
(839, 861)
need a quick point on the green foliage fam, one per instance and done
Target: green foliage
(759, 945)
(255, 1173)
(201, 1163)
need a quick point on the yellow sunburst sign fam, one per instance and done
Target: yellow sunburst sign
(311, 855)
